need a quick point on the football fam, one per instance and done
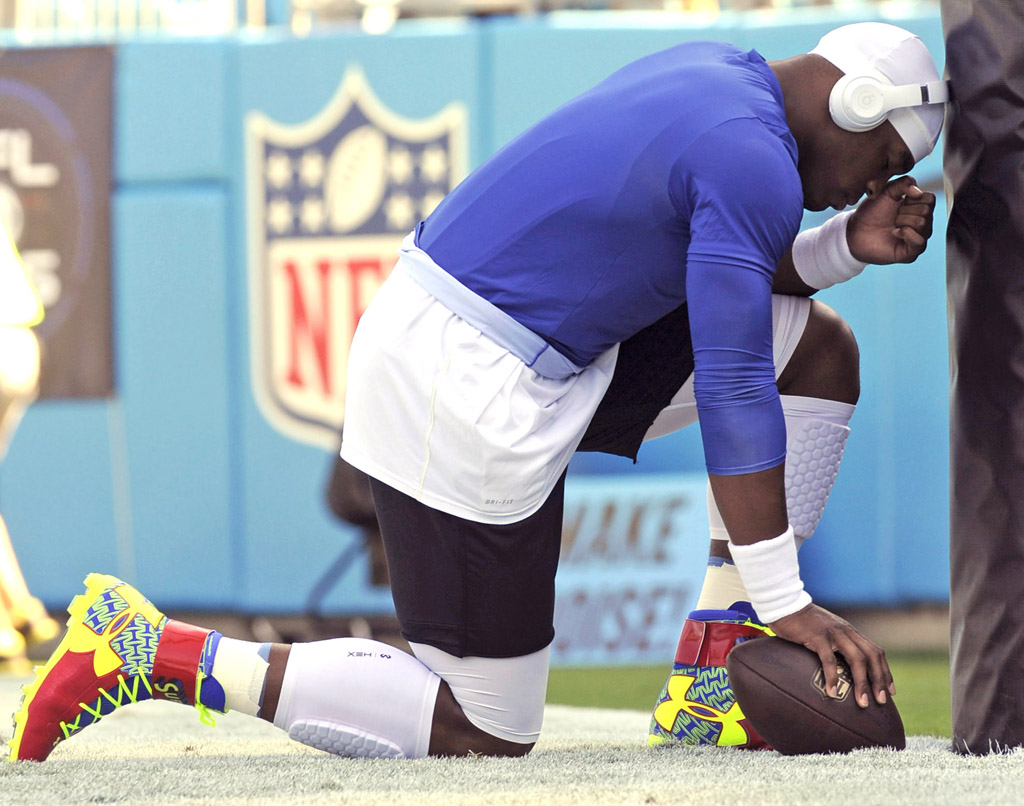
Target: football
(781, 688)
(356, 177)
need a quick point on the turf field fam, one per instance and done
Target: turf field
(158, 754)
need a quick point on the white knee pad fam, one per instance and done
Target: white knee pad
(501, 696)
(355, 697)
(816, 432)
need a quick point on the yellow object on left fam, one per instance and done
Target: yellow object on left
(19, 303)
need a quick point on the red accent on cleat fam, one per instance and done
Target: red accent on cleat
(55, 710)
(177, 662)
(708, 643)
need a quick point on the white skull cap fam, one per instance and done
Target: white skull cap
(897, 56)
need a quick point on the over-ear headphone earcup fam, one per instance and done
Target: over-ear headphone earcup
(857, 103)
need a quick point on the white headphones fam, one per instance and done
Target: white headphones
(860, 102)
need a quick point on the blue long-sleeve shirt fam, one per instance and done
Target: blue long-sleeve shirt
(674, 180)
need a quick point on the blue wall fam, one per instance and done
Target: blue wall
(182, 485)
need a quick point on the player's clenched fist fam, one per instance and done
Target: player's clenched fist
(894, 225)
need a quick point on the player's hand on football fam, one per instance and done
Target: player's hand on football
(826, 634)
(894, 225)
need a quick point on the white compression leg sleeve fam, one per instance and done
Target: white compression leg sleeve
(502, 696)
(816, 432)
(355, 697)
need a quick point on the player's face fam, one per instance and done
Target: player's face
(843, 166)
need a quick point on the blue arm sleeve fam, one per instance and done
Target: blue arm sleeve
(744, 213)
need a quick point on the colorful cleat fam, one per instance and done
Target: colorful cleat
(109, 658)
(697, 705)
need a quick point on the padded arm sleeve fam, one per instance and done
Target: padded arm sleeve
(744, 214)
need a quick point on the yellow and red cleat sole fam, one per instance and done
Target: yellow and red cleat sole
(85, 678)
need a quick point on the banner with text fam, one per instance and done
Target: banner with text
(634, 553)
(55, 166)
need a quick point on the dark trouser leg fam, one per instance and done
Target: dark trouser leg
(984, 240)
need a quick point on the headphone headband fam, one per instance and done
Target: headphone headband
(859, 103)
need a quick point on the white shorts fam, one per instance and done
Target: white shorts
(440, 412)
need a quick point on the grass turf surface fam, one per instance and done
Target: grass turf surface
(922, 689)
(158, 754)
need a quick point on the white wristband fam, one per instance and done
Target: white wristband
(822, 255)
(771, 574)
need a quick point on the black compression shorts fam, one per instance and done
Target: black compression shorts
(488, 590)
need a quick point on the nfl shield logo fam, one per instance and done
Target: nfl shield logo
(330, 200)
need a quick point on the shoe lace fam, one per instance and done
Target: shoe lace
(124, 692)
(205, 713)
(126, 696)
